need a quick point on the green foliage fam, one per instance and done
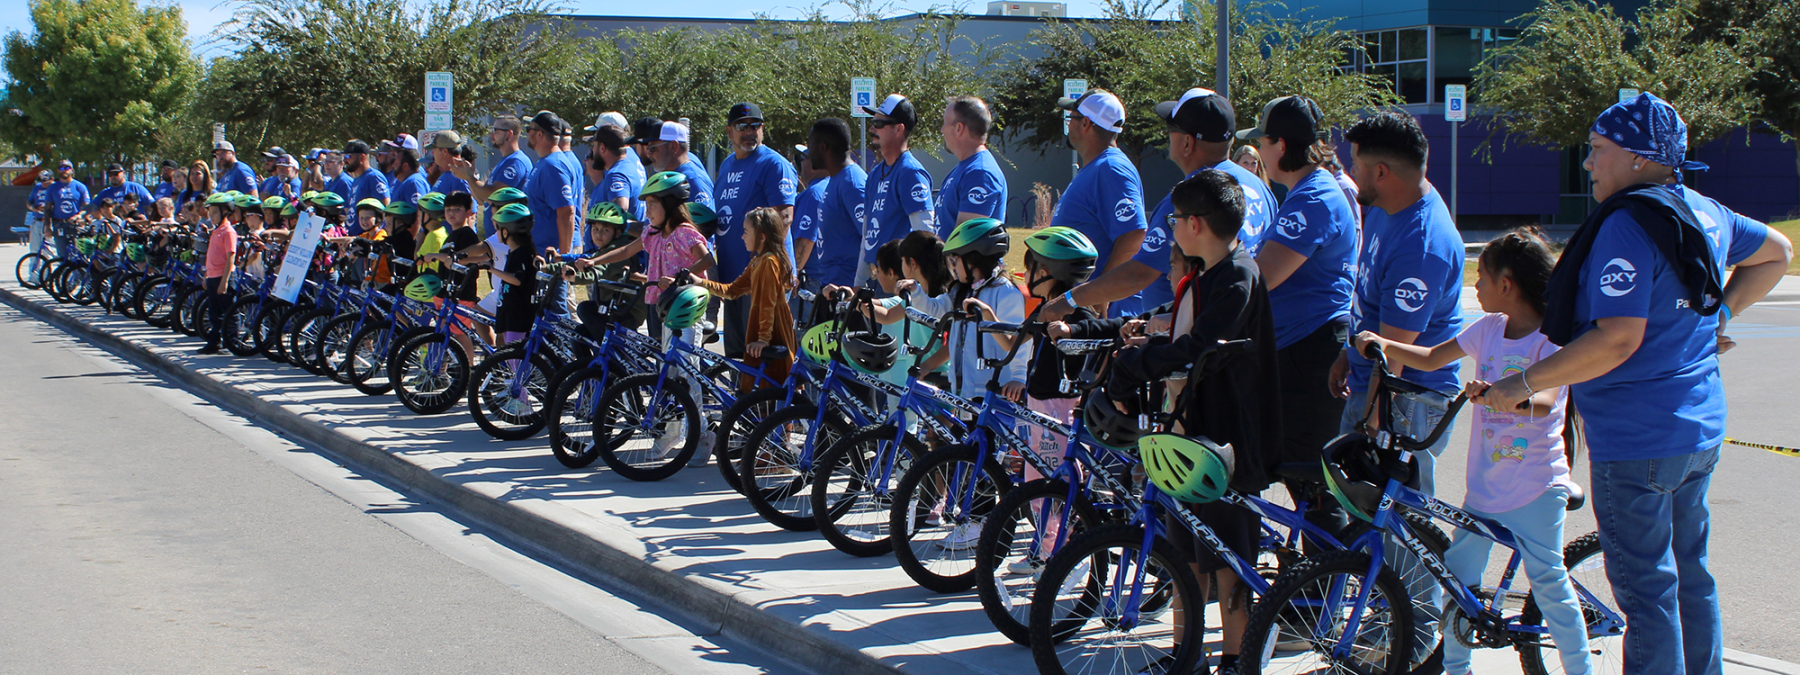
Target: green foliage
(1145, 61)
(96, 80)
(316, 72)
(1573, 57)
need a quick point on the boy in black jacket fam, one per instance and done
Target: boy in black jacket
(1233, 400)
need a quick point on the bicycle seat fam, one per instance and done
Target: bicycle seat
(1307, 472)
(1577, 498)
(774, 352)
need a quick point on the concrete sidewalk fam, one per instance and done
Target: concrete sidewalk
(688, 543)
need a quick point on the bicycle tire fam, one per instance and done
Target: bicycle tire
(332, 350)
(1582, 557)
(122, 290)
(22, 270)
(616, 427)
(1006, 598)
(153, 299)
(490, 391)
(193, 312)
(1263, 637)
(412, 357)
(366, 363)
(570, 417)
(298, 351)
(240, 326)
(944, 564)
(736, 425)
(774, 482)
(1083, 568)
(266, 331)
(73, 283)
(842, 489)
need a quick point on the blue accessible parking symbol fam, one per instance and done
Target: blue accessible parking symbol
(437, 94)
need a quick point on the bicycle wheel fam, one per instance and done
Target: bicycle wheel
(30, 270)
(429, 372)
(571, 414)
(654, 450)
(332, 350)
(736, 425)
(122, 290)
(492, 402)
(240, 324)
(193, 312)
(366, 363)
(771, 470)
(1297, 625)
(854, 487)
(1091, 611)
(154, 300)
(299, 335)
(959, 487)
(1605, 646)
(1027, 527)
(266, 330)
(74, 284)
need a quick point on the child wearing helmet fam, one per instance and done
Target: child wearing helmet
(608, 230)
(974, 254)
(767, 281)
(518, 275)
(671, 240)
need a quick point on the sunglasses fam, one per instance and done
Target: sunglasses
(746, 126)
(883, 124)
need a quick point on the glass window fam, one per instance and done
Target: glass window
(1413, 82)
(1401, 57)
(1460, 50)
(1412, 44)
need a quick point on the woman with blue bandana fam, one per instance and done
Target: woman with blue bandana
(1640, 304)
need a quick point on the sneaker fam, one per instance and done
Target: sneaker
(208, 349)
(1025, 567)
(962, 537)
(704, 451)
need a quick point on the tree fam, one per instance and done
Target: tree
(315, 72)
(1572, 57)
(1145, 60)
(96, 79)
(1762, 31)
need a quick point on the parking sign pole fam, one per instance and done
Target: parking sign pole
(1456, 110)
(862, 94)
(1073, 89)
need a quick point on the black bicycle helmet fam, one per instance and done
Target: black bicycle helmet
(1356, 474)
(872, 352)
(1108, 425)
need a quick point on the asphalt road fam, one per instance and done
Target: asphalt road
(1755, 494)
(143, 530)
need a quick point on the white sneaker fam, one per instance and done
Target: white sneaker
(1025, 567)
(962, 537)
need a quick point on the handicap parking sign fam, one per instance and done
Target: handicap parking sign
(437, 94)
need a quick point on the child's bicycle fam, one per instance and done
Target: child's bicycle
(429, 367)
(510, 389)
(1323, 613)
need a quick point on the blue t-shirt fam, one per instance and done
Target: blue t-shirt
(806, 214)
(511, 171)
(1315, 221)
(1666, 399)
(1106, 201)
(895, 192)
(975, 185)
(163, 189)
(762, 179)
(271, 187)
(556, 182)
(840, 227)
(700, 185)
(238, 177)
(66, 199)
(410, 188)
(624, 179)
(1409, 276)
(118, 194)
(342, 186)
(370, 185)
(38, 191)
(447, 183)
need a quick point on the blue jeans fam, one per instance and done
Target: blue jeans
(1653, 527)
(1415, 416)
(1537, 527)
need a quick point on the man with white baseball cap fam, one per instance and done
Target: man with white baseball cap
(899, 188)
(233, 174)
(617, 174)
(664, 146)
(1105, 201)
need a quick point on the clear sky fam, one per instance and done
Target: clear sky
(204, 16)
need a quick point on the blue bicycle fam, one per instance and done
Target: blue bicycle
(429, 367)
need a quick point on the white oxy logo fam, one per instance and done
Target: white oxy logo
(1290, 226)
(1125, 209)
(978, 195)
(1618, 278)
(1411, 294)
(724, 214)
(921, 193)
(787, 186)
(1155, 238)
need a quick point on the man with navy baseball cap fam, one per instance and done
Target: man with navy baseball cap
(752, 176)
(898, 189)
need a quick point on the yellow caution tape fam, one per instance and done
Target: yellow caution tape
(1791, 452)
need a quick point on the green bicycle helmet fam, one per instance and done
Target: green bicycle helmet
(308, 195)
(515, 218)
(432, 202)
(1356, 475)
(135, 252)
(666, 182)
(276, 202)
(606, 212)
(244, 201)
(816, 343)
(425, 287)
(292, 209)
(702, 214)
(506, 195)
(219, 199)
(1192, 470)
(87, 245)
(981, 236)
(1064, 252)
(400, 208)
(683, 307)
(329, 199)
(371, 203)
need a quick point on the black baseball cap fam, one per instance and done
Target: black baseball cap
(644, 130)
(897, 108)
(114, 168)
(1201, 112)
(169, 164)
(356, 147)
(743, 110)
(274, 152)
(546, 122)
(1291, 118)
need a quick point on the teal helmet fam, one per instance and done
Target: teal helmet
(220, 199)
(401, 207)
(432, 201)
(326, 198)
(515, 218)
(980, 236)
(276, 202)
(425, 287)
(292, 209)
(666, 182)
(1192, 470)
(1064, 252)
(702, 214)
(244, 201)
(683, 307)
(506, 195)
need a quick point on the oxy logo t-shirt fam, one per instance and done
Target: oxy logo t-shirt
(1409, 276)
(806, 216)
(700, 185)
(1105, 201)
(511, 171)
(763, 178)
(1315, 221)
(555, 183)
(840, 225)
(896, 192)
(974, 185)
(624, 178)
(1258, 209)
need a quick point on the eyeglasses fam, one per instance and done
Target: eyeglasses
(746, 126)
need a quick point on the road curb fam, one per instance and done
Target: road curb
(573, 549)
(1763, 663)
